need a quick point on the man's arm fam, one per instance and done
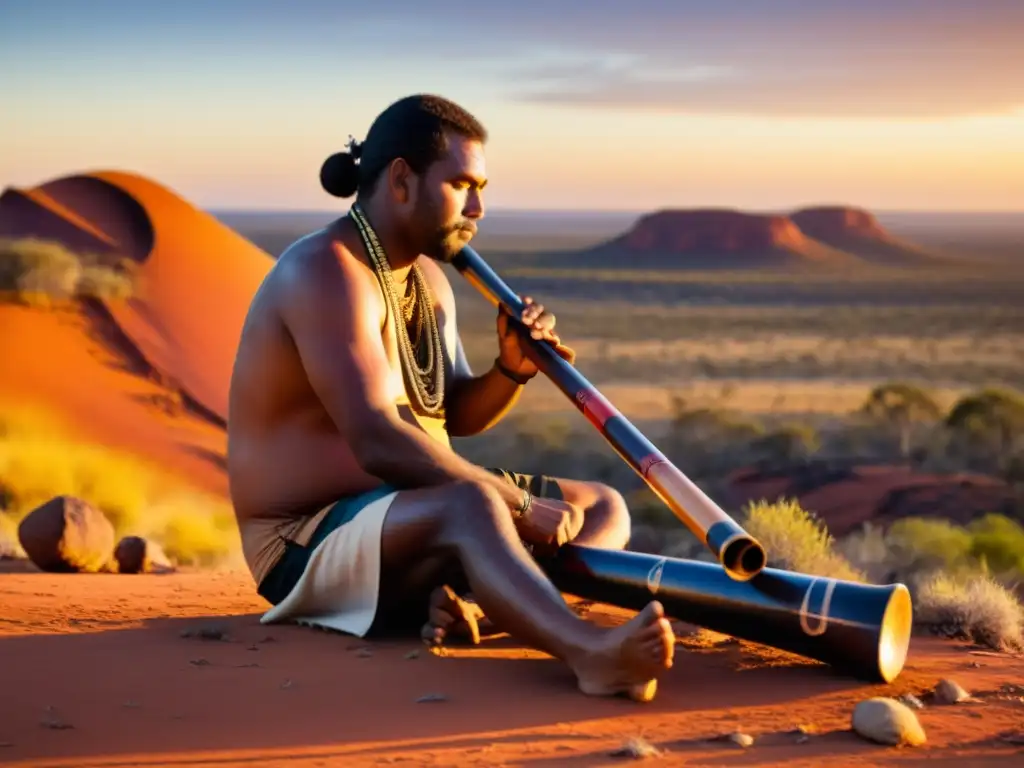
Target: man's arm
(477, 403)
(330, 310)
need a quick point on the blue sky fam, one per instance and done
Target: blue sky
(905, 104)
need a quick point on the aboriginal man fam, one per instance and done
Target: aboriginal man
(354, 510)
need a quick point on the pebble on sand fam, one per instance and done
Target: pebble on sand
(887, 721)
(949, 692)
(636, 748)
(742, 739)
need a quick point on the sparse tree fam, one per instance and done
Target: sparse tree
(901, 406)
(987, 417)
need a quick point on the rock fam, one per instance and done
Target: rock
(911, 701)
(742, 739)
(950, 692)
(636, 748)
(135, 554)
(429, 698)
(887, 721)
(67, 535)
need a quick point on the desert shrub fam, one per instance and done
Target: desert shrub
(972, 607)
(42, 272)
(40, 459)
(997, 542)
(795, 540)
(926, 543)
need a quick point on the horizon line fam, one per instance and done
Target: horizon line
(650, 209)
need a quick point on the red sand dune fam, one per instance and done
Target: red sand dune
(106, 367)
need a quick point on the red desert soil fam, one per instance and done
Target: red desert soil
(95, 670)
(105, 656)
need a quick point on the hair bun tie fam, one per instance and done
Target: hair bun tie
(339, 174)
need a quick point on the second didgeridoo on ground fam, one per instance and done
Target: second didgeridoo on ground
(739, 553)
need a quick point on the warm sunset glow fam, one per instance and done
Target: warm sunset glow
(619, 107)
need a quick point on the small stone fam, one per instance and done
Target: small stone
(412, 655)
(803, 738)
(430, 698)
(950, 692)
(742, 739)
(636, 748)
(135, 554)
(911, 701)
(887, 721)
(206, 633)
(199, 662)
(52, 720)
(287, 684)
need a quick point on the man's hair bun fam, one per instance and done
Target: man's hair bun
(339, 175)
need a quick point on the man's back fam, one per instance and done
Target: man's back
(286, 458)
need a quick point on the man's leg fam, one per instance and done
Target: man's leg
(451, 613)
(606, 522)
(469, 524)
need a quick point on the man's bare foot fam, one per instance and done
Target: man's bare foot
(631, 657)
(453, 616)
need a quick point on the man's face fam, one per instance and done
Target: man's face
(449, 200)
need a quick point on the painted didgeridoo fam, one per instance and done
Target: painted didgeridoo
(863, 630)
(740, 554)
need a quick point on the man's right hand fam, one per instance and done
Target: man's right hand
(550, 523)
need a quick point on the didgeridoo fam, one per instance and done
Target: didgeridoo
(861, 629)
(739, 553)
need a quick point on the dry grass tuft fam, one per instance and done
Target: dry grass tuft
(974, 607)
(796, 541)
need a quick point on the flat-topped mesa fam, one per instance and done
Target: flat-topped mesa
(857, 231)
(712, 238)
(827, 222)
(710, 230)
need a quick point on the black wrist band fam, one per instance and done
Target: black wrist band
(518, 379)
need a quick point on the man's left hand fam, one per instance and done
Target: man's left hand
(512, 344)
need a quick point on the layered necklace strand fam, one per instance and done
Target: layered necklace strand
(421, 356)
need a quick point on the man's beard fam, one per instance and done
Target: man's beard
(446, 242)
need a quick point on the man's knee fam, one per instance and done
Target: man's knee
(473, 509)
(612, 500)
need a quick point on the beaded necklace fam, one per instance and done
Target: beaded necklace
(421, 354)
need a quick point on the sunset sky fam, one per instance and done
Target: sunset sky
(894, 105)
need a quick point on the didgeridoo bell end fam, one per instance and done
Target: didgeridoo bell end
(739, 553)
(894, 633)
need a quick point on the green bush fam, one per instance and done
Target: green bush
(997, 542)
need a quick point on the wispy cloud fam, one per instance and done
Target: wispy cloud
(902, 59)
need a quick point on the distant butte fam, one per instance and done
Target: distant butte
(708, 238)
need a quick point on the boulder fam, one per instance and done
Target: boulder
(67, 535)
(135, 554)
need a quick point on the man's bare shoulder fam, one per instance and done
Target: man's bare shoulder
(322, 265)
